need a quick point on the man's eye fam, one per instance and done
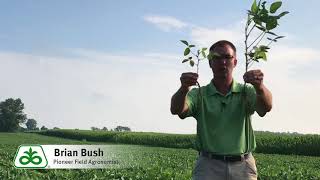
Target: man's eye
(228, 57)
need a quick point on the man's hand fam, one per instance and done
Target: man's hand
(254, 77)
(188, 79)
(178, 100)
(263, 96)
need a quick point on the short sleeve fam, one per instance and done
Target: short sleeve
(192, 103)
(251, 98)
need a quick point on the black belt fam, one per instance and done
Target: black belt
(228, 158)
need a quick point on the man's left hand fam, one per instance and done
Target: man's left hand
(254, 77)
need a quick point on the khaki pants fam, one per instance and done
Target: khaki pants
(212, 169)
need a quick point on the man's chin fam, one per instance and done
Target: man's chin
(223, 75)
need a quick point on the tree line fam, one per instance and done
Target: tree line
(117, 129)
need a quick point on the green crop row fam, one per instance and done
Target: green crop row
(271, 143)
(139, 138)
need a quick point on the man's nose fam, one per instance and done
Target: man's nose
(224, 61)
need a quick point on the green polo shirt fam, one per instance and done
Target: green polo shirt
(221, 124)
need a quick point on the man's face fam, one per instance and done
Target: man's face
(222, 65)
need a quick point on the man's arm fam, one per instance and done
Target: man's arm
(178, 100)
(263, 100)
(263, 95)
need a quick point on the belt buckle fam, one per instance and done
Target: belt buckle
(225, 158)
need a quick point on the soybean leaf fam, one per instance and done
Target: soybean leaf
(275, 6)
(186, 51)
(203, 54)
(249, 21)
(213, 55)
(263, 15)
(264, 18)
(269, 32)
(264, 10)
(190, 57)
(272, 23)
(257, 20)
(263, 56)
(264, 48)
(185, 60)
(210, 56)
(259, 3)
(203, 49)
(255, 60)
(282, 14)
(279, 37)
(191, 63)
(191, 45)
(271, 39)
(264, 4)
(185, 42)
(260, 53)
(261, 28)
(254, 7)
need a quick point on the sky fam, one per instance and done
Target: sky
(102, 63)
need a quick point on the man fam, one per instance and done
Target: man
(225, 138)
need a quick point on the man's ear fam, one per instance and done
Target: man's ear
(235, 62)
(210, 63)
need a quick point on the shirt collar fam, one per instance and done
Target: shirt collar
(211, 89)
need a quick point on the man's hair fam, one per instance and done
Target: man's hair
(223, 43)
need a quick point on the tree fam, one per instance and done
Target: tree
(95, 129)
(122, 128)
(31, 124)
(43, 128)
(105, 129)
(56, 128)
(11, 114)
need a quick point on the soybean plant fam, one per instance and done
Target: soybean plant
(264, 20)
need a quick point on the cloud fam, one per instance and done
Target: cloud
(150, 59)
(200, 35)
(165, 23)
(291, 55)
(205, 36)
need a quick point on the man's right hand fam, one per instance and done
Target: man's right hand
(188, 79)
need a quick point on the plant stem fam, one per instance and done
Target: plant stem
(269, 43)
(244, 86)
(246, 44)
(255, 39)
(251, 28)
(198, 65)
(250, 64)
(261, 39)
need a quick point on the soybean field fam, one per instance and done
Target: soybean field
(175, 162)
